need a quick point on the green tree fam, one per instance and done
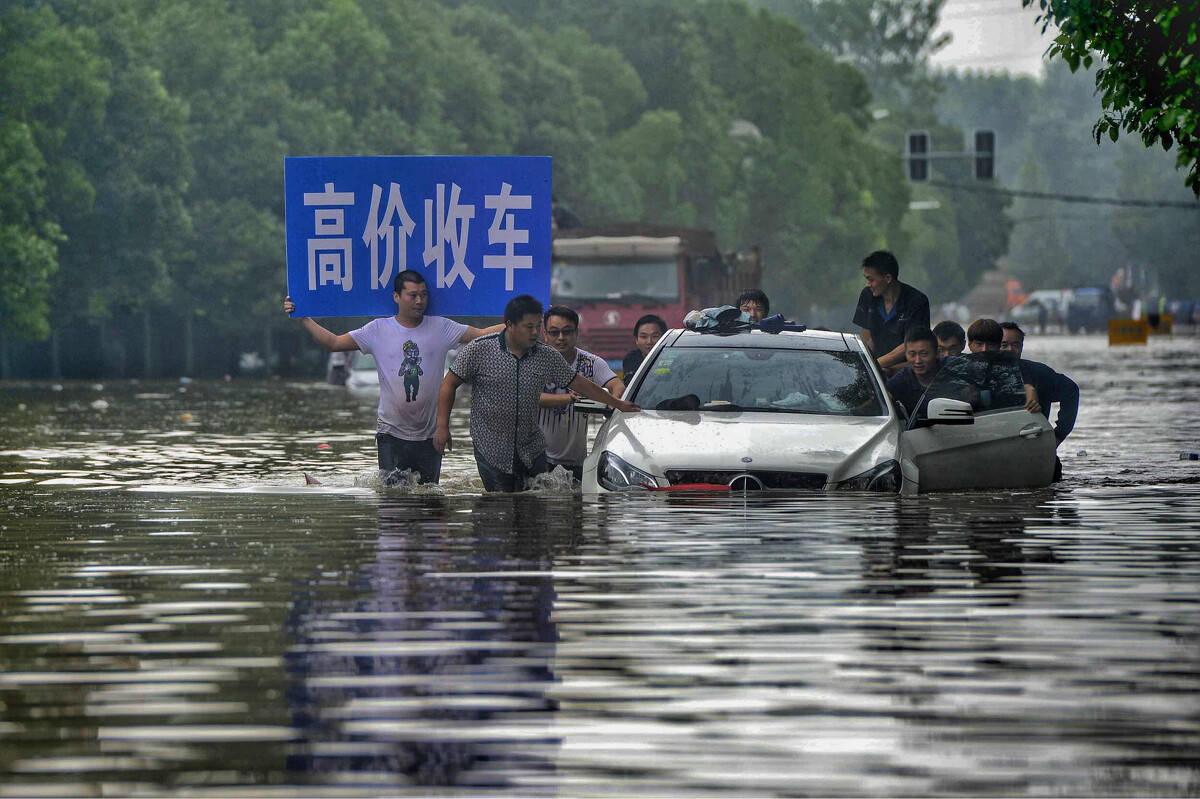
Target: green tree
(1149, 68)
(888, 41)
(54, 93)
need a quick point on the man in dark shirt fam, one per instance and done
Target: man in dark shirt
(507, 371)
(887, 309)
(951, 338)
(646, 333)
(1051, 386)
(909, 384)
(986, 335)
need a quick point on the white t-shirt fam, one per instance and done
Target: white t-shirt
(564, 429)
(411, 362)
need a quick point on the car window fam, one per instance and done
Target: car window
(760, 379)
(987, 380)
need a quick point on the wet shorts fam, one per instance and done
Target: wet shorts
(397, 455)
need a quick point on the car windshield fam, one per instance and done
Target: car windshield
(364, 362)
(654, 281)
(987, 380)
(760, 379)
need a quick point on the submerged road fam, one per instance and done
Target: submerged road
(180, 614)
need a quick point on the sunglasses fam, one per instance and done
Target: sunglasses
(566, 331)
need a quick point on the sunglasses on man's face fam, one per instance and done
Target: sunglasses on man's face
(553, 332)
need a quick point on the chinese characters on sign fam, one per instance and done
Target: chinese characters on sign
(330, 259)
(349, 231)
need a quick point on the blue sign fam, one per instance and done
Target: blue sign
(476, 227)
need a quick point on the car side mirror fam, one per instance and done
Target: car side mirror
(591, 406)
(943, 410)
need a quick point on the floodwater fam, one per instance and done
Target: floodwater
(181, 615)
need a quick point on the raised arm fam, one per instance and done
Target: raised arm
(331, 341)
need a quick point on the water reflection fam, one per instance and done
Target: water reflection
(430, 665)
(180, 615)
(975, 542)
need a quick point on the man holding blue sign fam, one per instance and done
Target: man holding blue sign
(478, 226)
(406, 347)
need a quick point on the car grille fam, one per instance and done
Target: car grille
(769, 480)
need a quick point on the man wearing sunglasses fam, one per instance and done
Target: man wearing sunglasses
(564, 429)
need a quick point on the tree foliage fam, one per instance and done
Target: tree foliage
(144, 140)
(1148, 76)
(1039, 125)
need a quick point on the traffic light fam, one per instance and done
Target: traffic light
(985, 154)
(917, 155)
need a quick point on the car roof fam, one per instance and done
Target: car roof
(822, 340)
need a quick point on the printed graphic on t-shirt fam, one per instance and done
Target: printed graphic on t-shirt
(411, 371)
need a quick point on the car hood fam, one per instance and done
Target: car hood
(838, 446)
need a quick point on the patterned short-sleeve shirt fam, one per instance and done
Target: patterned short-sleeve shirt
(505, 391)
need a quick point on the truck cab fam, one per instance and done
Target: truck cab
(614, 275)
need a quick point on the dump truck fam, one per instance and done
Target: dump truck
(615, 274)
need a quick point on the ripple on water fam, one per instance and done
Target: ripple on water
(221, 628)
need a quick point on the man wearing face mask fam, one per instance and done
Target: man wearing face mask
(754, 303)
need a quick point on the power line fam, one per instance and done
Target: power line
(1065, 198)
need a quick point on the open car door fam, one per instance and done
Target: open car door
(997, 444)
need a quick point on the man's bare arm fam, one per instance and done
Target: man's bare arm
(472, 333)
(893, 358)
(331, 341)
(1031, 399)
(581, 385)
(441, 436)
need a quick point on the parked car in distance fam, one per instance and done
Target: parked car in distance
(1089, 310)
(1044, 307)
(756, 411)
(363, 376)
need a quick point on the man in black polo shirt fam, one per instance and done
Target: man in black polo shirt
(887, 309)
(1051, 387)
(507, 372)
(908, 385)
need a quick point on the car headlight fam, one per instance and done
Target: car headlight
(884, 477)
(615, 474)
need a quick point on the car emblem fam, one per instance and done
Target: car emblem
(746, 482)
(612, 318)
(747, 459)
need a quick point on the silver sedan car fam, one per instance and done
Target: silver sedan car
(755, 411)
